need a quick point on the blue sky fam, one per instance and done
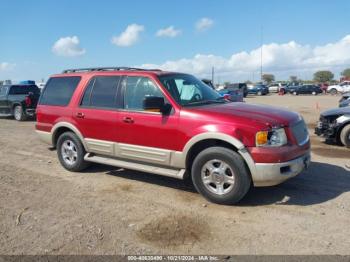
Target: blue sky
(30, 29)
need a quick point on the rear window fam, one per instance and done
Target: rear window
(59, 90)
(24, 90)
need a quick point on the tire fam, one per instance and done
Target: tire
(259, 93)
(71, 152)
(295, 93)
(211, 184)
(333, 91)
(314, 93)
(345, 136)
(18, 113)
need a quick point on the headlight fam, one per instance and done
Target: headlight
(274, 137)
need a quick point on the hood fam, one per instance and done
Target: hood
(266, 115)
(336, 111)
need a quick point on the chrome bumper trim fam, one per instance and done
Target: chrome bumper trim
(270, 174)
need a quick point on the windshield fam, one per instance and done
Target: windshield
(187, 90)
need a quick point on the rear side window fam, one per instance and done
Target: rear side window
(101, 92)
(24, 90)
(59, 90)
(3, 90)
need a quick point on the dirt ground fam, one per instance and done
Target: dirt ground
(105, 210)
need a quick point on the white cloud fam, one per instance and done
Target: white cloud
(4, 66)
(129, 37)
(168, 32)
(68, 46)
(279, 59)
(204, 24)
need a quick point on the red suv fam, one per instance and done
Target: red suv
(170, 124)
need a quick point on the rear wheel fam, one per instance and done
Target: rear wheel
(18, 113)
(345, 136)
(220, 175)
(71, 152)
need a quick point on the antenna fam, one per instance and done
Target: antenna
(261, 54)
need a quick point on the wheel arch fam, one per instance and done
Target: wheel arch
(63, 127)
(14, 104)
(210, 139)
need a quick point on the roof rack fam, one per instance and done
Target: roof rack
(123, 68)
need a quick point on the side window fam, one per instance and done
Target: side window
(59, 90)
(101, 92)
(137, 88)
(3, 90)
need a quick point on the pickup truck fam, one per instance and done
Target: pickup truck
(19, 101)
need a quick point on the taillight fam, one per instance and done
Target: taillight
(28, 101)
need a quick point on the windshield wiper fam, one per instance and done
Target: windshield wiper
(219, 100)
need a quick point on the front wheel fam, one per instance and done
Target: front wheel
(345, 136)
(314, 93)
(71, 152)
(220, 175)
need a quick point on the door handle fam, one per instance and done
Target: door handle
(128, 120)
(80, 115)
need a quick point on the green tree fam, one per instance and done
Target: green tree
(268, 78)
(323, 76)
(293, 78)
(346, 72)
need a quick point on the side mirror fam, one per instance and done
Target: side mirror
(156, 104)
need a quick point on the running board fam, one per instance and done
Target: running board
(5, 115)
(175, 173)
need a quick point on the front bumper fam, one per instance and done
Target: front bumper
(325, 129)
(270, 174)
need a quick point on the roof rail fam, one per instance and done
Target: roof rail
(123, 68)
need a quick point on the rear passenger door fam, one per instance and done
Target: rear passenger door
(97, 115)
(146, 136)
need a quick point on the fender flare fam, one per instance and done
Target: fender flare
(71, 127)
(241, 149)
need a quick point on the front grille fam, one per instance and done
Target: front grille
(300, 132)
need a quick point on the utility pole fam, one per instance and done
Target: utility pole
(212, 75)
(261, 55)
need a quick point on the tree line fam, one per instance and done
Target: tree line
(322, 76)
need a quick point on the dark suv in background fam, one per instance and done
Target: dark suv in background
(19, 101)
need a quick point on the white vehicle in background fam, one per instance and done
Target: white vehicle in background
(340, 88)
(41, 85)
(274, 88)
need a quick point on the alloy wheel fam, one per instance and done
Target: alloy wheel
(218, 177)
